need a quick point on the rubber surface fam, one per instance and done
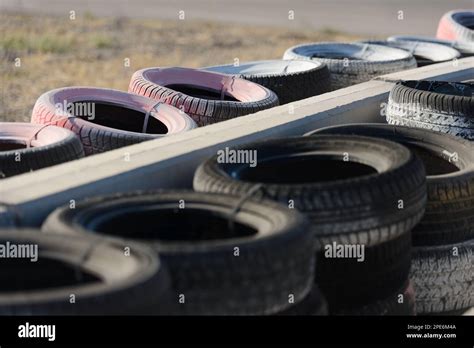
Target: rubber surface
(354, 210)
(449, 162)
(341, 210)
(443, 277)
(275, 254)
(25, 147)
(465, 48)
(108, 119)
(290, 80)
(352, 63)
(425, 53)
(436, 105)
(457, 25)
(102, 278)
(206, 96)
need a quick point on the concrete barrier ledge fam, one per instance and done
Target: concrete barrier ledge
(170, 162)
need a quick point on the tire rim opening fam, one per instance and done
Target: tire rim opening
(329, 55)
(302, 169)
(201, 92)
(11, 145)
(22, 274)
(118, 117)
(170, 225)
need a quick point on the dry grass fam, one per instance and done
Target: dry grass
(57, 52)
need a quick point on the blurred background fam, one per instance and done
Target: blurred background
(46, 44)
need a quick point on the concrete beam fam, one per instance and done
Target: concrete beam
(26, 199)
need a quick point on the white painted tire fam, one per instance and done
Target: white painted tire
(291, 80)
(465, 48)
(352, 63)
(425, 53)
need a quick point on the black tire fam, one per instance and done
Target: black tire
(425, 53)
(352, 63)
(313, 304)
(389, 306)
(276, 254)
(291, 80)
(443, 282)
(103, 279)
(449, 215)
(26, 147)
(358, 210)
(199, 93)
(465, 48)
(440, 106)
(361, 209)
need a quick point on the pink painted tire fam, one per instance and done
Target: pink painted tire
(25, 147)
(106, 119)
(208, 97)
(457, 25)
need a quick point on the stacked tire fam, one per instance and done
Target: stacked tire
(352, 63)
(457, 25)
(225, 254)
(425, 53)
(290, 80)
(442, 270)
(446, 107)
(25, 147)
(79, 275)
(208, 97)
(106, 119)
(351, 204)
(465, 48)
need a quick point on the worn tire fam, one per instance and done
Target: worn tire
(443, 282)
(25, 147)
(425, 53)
(120, 120)
(361, 209)
(356, 210)
(199, 93)
(440, 106)
(449, 215)
(465, 48)
(290, 80)
(457, 25)
(276, 254)
(352, 63)
(112, 283)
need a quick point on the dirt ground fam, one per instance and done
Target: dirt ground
(39, 53)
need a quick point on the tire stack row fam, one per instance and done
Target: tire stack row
(169, 252)
(442, 269)
(166, 101)
(348, 220)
